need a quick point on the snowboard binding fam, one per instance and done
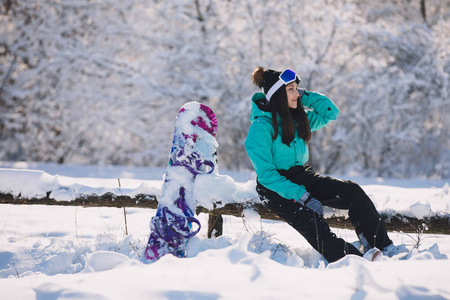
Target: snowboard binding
(189, 158)
(169, 234)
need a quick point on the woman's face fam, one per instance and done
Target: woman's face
(292, 95)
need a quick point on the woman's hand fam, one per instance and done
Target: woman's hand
(312, 203)
(315, 205)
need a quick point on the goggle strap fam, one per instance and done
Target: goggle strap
(274, 88)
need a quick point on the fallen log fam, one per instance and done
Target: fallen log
(106, 200)
(434, 225)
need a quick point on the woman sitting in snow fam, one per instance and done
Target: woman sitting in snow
(277, 144)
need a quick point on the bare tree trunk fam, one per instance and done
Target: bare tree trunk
(423, 10)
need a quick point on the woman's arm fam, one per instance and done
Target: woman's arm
(259, 149)
(324, 110)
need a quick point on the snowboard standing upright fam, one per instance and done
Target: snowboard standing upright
(193, 152)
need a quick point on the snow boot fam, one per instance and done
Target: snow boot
(373, 254)
(392, 250)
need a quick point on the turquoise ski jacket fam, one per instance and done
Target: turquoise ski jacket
(268, 155)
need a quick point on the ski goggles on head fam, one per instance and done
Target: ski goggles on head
(288, 76)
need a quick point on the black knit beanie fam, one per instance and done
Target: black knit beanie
(271, 77)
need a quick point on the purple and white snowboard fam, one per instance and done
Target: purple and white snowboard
(193, 152)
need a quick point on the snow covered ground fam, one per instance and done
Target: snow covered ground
(56, 252)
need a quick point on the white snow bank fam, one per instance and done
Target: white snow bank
(35, 183)
(103, 260)
(50, 252)
(410, 202)
(29, 183)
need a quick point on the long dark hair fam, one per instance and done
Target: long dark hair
(291, 119)
(278, 104)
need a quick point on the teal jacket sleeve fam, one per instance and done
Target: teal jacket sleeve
(259, 149)
(323, 109)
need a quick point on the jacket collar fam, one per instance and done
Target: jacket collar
(260, 107)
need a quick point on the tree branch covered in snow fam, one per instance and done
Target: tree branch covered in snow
(101, 82)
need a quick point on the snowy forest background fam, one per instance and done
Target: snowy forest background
(100, 82)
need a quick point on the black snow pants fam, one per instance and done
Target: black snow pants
(333, 193)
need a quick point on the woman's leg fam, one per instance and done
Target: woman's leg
(349, 195)
(309, 224)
